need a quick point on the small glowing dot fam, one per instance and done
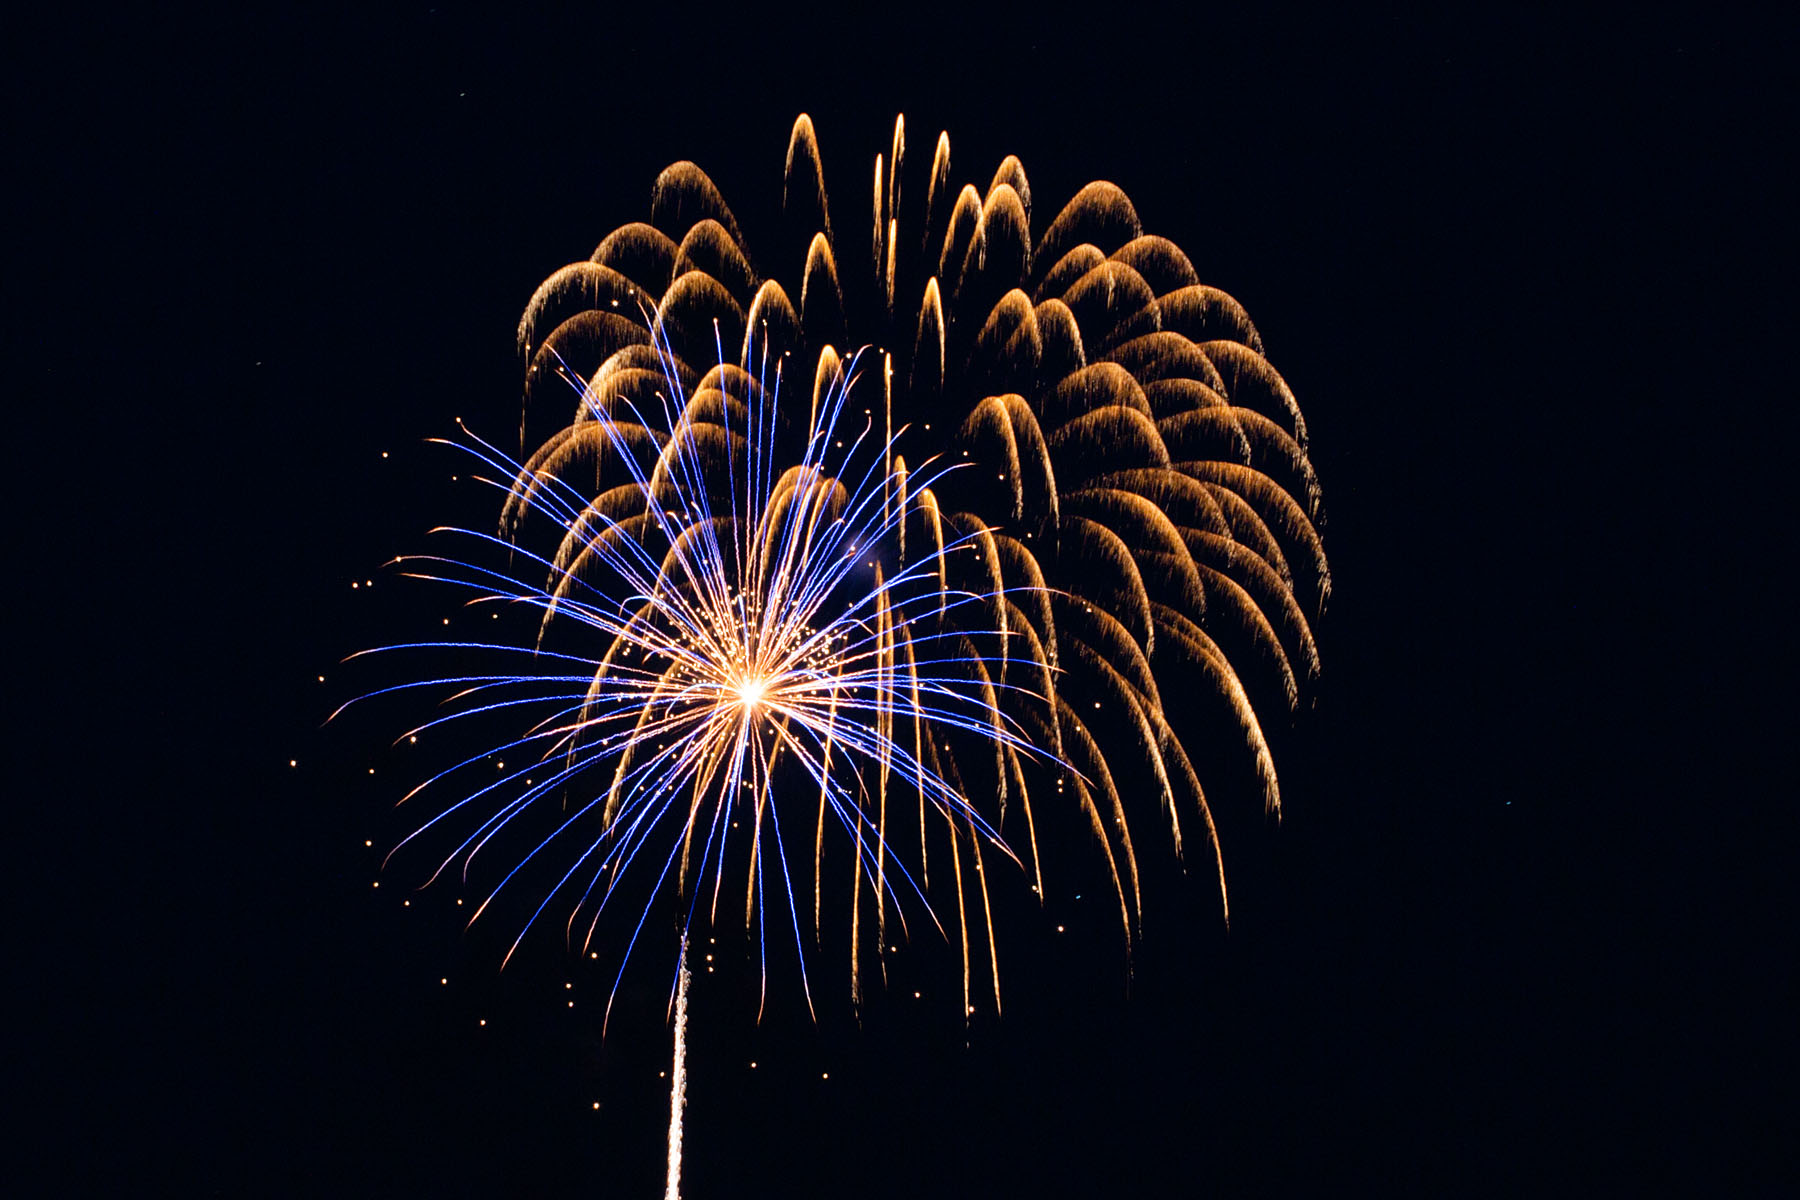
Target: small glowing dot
(371, 770)
(321, 679)
(353, 585)
(413, 741)
(368, 583)
(406, 904)
(593, 954)
(293, 762)
(483, 1021)
(825, 1075)
(502, 766)
(915, 995)
(568, 985)
(377, 883)
(459, 902)
(384, 454)
(1059, 929)
(444, 981)
(662, 1074)
(571, 1004)
(368, 842)
(597, 1103)
(753, 1065)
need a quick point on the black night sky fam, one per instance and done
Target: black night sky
(1519, 929)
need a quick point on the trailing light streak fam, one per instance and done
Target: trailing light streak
(678, 1075)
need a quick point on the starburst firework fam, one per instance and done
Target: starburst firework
(746, 622)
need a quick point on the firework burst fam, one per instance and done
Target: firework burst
(756, 622)
(752, 626)
(1140, 512)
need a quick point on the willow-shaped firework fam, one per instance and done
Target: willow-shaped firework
(1134, 508)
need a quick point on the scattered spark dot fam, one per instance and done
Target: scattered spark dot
(293, 762)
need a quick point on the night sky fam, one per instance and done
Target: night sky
(1519, 928)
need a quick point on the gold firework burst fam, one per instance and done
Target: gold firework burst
(1137, 508)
